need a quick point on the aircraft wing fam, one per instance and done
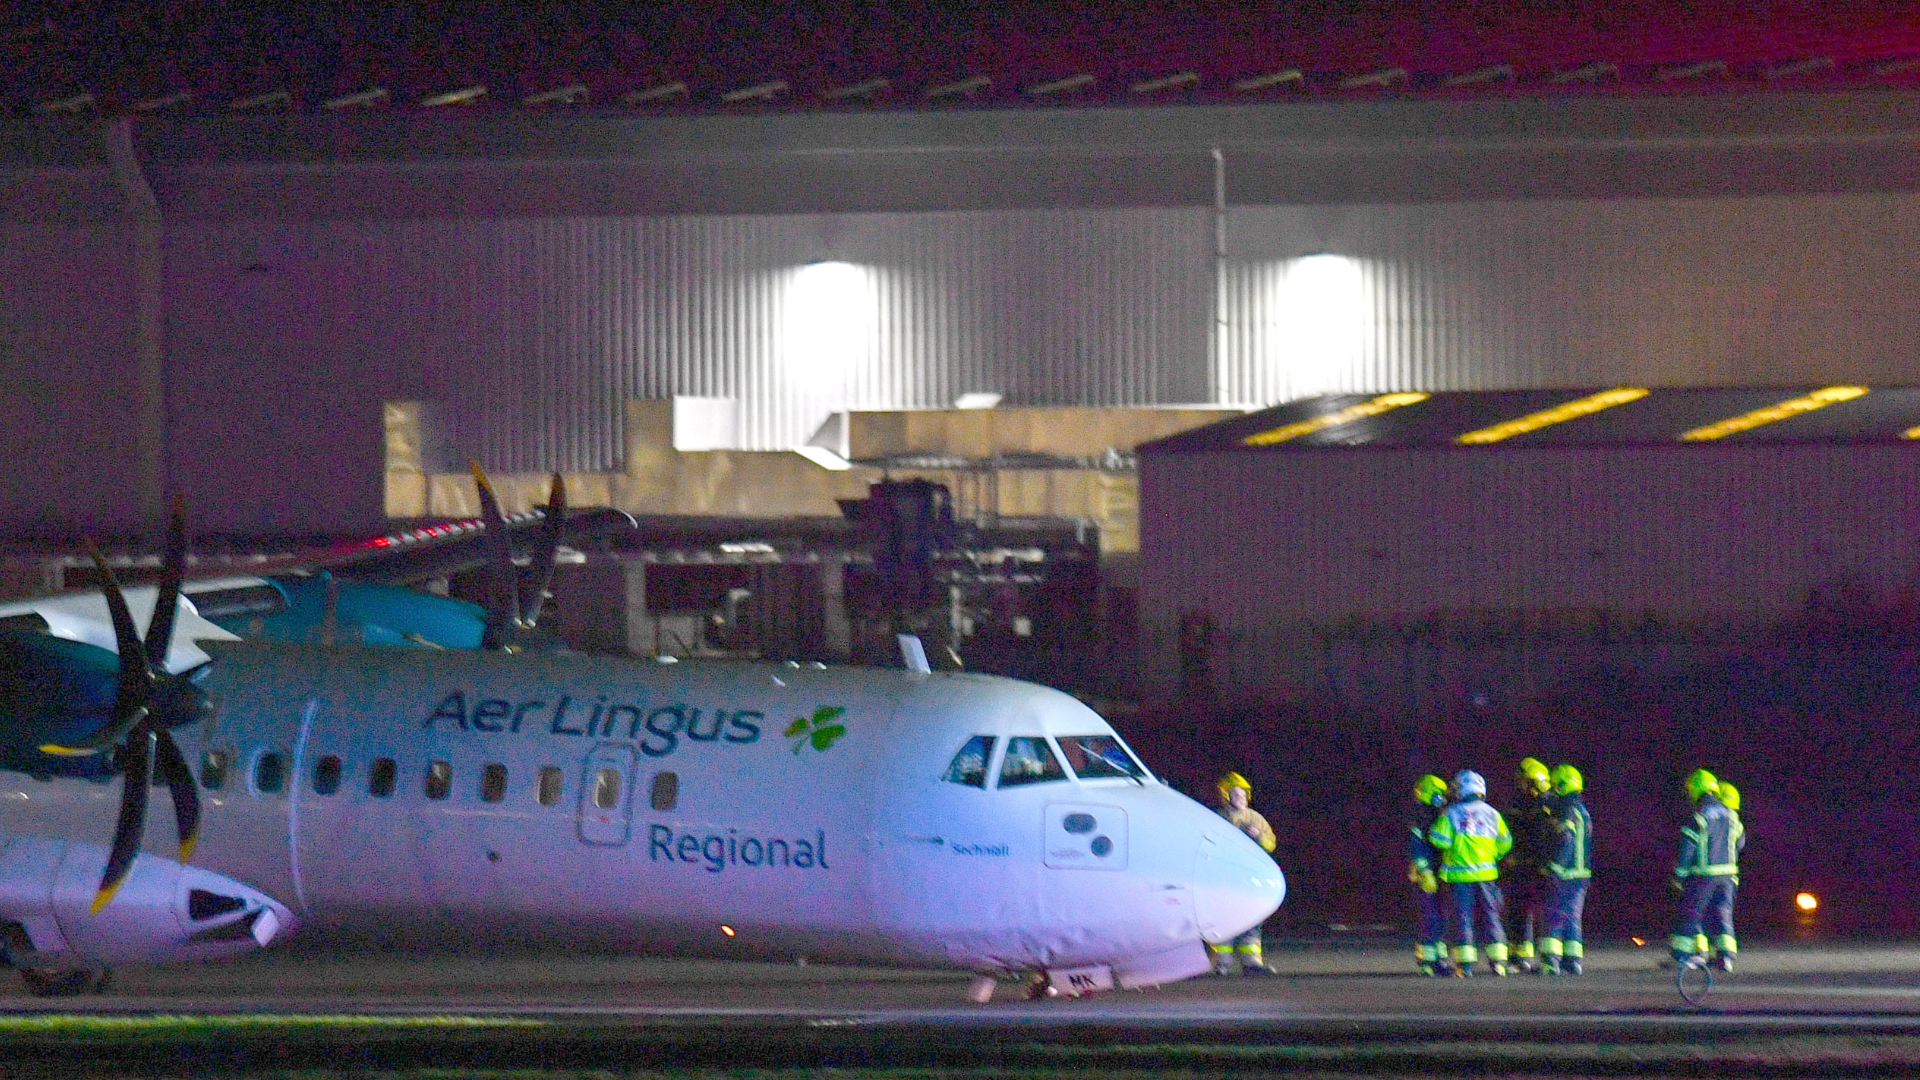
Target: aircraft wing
(435, 550)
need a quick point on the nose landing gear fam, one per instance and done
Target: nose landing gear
(42, 982)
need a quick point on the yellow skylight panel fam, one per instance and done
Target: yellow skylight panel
(1733, 425)
(1559, 414)
(1348, 415)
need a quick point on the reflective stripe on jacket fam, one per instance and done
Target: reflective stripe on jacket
(1472, 838)
(1710, 845)
(1573, 857)
(1419, 850)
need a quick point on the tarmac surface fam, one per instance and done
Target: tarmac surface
(1352, 983)
(1363, 997)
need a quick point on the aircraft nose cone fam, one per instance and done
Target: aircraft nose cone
(1235, 885)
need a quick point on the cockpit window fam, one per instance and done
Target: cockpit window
(1029, 761)
(1095, 757)
(969, 766)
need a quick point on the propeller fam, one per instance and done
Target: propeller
(509, 615)
(148, 703)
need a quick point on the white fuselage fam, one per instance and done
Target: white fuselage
(454, 799)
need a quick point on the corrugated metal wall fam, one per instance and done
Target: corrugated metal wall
(1663, 292)
(68, 370)
(529, 333)
(1688, 532)
(1278, 550)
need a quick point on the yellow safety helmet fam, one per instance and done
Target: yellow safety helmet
(1234, 780)
(1430, 790)
(1567, 780)
(1730, 795)
(1700, 782)
(1533, 775)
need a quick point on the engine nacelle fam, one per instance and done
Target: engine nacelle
(164, 912)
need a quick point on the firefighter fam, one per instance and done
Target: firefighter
(1235, 796)
(1531, 819)
(1430, 950)
(1729, 798)
(1705, 873)
(1569, 869)
(1472, 838)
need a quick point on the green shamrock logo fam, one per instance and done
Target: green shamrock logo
(818, 729)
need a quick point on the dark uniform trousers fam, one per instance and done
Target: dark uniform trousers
(1706, 907)
(1566, 902)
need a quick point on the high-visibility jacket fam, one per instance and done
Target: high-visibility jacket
(1420, 850)
(1472, 838)
(1573, 857)
(1710, 844)
(1251, 822)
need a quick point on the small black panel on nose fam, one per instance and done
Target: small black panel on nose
(1078, 823)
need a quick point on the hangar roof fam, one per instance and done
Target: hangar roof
(90, 57)
(1618, 416)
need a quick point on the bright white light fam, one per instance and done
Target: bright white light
(1322, 323)
(978, 399)
(829, 324)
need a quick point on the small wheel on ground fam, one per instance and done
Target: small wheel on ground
(1694, 981)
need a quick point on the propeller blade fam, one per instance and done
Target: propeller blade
(503, 608)
(544, 556)
(136, 678)
(135, 779)
(169, 765)
(167, 601)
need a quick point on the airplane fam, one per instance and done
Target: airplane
(360, 592)
(458, 799)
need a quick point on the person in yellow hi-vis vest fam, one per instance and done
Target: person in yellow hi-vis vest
(1235, 796)
(1472, 838)
(1423, 870)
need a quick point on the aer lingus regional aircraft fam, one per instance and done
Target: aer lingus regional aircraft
(461, 799)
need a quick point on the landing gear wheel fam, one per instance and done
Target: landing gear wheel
(70, 983)
(1694, 981)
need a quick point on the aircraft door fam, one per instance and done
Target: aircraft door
(606, 795)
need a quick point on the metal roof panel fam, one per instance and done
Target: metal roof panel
(1438, 420)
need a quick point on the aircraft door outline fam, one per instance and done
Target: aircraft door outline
(607, 820)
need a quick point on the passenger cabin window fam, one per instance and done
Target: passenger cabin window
(1029, 761)
(550, 783)
(493, 782)
(1097, 757)
(270, 773)
(381, 779)
(326, 775)
(213, 769)
(606, 788)
(439, 780)
(666, 790)
(969, 766)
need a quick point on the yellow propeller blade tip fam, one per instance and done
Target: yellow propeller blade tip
(105, 895)
(67, 751)
(479, 477)
(186, 848)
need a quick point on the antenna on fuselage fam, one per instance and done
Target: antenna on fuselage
(914, 654)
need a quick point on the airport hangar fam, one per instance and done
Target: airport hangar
(313, 305)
